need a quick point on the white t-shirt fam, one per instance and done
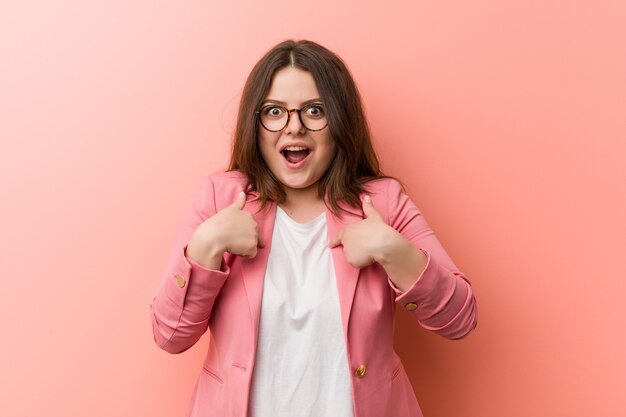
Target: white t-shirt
(301, 366)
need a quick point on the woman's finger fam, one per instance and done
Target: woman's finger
(369, 210)
(336, 241)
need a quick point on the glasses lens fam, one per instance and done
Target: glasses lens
(274, 117)
(314, 116)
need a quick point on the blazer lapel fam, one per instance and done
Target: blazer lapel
(253, 270)
(347, 275)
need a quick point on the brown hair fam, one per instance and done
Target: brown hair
(355, 161)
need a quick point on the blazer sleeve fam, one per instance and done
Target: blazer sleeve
(441, 298)
(182, 306)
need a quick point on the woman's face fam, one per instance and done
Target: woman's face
(296, 156)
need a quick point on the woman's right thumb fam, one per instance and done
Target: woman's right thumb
(240, 202)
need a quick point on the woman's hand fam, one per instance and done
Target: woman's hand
(230, 230)
(363, 242)
(372, 240)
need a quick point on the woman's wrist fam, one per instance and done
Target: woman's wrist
(402, 261)
(208, 255)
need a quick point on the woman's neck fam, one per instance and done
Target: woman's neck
(303, 205)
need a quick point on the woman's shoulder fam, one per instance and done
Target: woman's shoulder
(388, 194)
(383, 186)
(225, 185)
(228, 179)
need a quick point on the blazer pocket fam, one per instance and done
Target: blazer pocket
(211, 373)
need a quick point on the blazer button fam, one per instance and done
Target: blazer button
(360, 371)
(180, 280)
(411, 306)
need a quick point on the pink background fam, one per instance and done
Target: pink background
(506, 120)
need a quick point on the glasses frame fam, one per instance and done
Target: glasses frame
(258, 113)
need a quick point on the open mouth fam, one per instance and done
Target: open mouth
(295, 154)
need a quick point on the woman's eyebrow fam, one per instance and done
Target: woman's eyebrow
(283, 103)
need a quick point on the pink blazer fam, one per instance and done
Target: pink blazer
(192, 299)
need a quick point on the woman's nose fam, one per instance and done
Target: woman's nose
(294, 125)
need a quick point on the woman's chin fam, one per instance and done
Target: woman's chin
(298, 185)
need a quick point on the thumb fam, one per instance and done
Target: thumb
(240, 202)
(336, 241)
(369, 210)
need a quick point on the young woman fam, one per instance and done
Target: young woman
(296, 257)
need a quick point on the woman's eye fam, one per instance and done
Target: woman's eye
(315, 110)
(273, 111)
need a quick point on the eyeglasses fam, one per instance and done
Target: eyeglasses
(275, 118)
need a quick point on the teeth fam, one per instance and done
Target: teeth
(295, 148)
